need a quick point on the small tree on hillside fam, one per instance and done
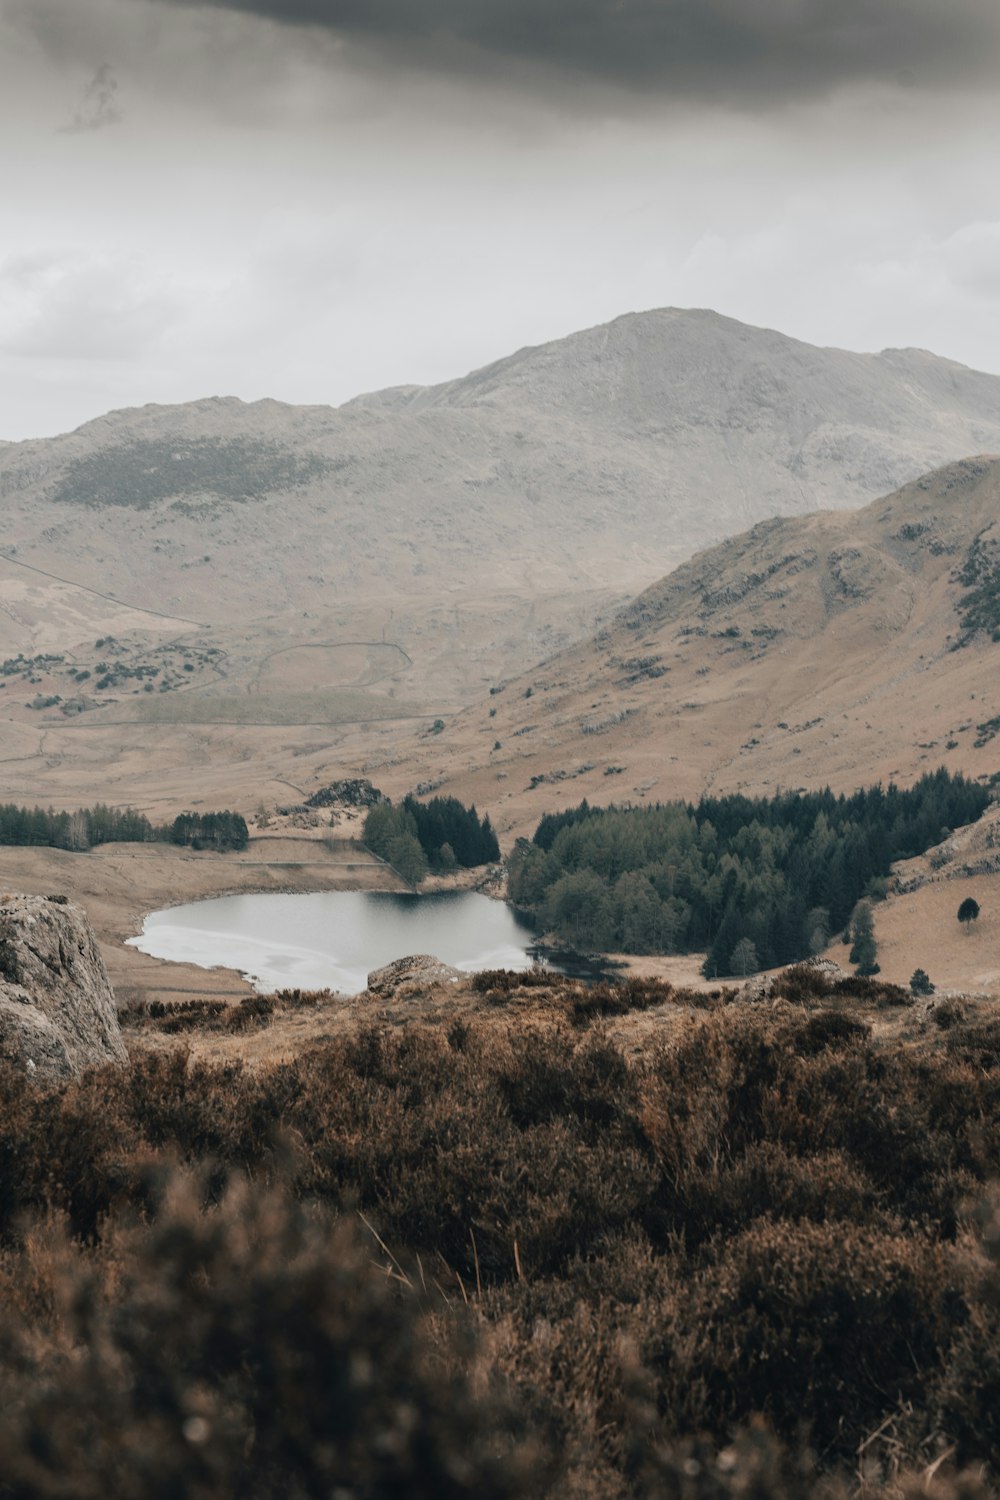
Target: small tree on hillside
(864, 947)
(743, 959)
(817, 929)
(864, 954)
(446, 857)
(968, 912)
(920, 983)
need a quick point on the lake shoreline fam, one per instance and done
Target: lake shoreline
(319, 940)
(119, 885)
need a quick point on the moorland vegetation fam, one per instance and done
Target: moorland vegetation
(512, 1255)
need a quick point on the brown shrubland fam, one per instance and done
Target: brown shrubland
(509, 1257)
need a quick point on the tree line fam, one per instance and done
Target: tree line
(441, 835)
(754, 882)
(88, 827)
(213, 830)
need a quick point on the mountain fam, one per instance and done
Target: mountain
(618, 450)
(839, 648)
(183, 585)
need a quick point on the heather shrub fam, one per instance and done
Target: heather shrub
(768, 1215)
(250, 1351)
(976, 1042)
(815, 1324)
(875, 992)
(801, 982)
(970, 1386)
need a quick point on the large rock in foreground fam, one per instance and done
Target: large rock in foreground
(57, 1008)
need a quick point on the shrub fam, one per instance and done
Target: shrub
(768, 1213)
(808, 1322)
(251, 1351)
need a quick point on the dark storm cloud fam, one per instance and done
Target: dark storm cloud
(714, 48)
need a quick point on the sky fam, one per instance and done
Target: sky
(308, 199)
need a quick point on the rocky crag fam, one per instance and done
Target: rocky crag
(57, 1008)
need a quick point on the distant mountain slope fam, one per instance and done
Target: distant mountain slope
(598, 460)
(835, 648)
(241, 597)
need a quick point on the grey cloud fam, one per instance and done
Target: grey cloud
(75, 306)
(684, 48)
(98, 105)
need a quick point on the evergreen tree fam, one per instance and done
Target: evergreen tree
(862, 933)
(968, 912)
(864, 954)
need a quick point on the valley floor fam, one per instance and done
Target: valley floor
(119, 884)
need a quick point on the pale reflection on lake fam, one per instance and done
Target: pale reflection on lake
(332, 939)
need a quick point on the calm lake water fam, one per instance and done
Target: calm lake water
(332, 939)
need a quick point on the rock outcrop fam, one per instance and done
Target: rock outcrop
(57, 1008)
(411, 976)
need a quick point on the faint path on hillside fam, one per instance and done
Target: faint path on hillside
(140, 609)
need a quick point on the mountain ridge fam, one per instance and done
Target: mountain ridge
(836, 648)
(649, 437)
(402, 553)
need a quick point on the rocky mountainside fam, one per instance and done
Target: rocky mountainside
(183, 585)
(837, 648)
(596, 461)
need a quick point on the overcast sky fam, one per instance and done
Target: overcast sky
(307, 199)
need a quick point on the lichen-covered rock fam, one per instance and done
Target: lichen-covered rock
(758, 988)
(57, 1008)
(411, 976)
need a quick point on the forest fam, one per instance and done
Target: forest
(88, 827)
(83, 829)
(442, 834)
(213, 830)
(776, 875)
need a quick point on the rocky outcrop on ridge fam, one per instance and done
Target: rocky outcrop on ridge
(57, 1008)
(970, 851)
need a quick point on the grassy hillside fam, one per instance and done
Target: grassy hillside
(830, 649)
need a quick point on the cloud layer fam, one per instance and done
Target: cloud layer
(686, 48)
(310, 199)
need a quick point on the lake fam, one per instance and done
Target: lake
(333, 939)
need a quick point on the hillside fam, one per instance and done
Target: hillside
(836, 648)
(616, 451)
(254, 596)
